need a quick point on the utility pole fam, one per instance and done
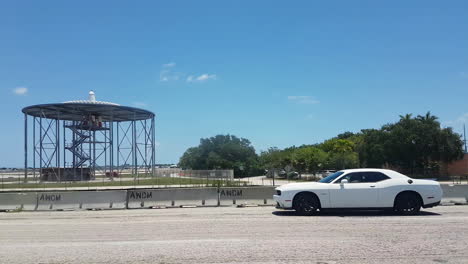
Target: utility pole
(464, 137)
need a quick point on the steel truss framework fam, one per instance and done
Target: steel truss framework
(63, 147)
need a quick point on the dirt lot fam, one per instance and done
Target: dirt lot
(233, 235)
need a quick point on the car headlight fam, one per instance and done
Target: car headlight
(278, 192)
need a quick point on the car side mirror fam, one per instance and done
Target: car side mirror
(343, 181)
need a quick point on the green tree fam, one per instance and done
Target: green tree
(449, 146)
(416, 144)
(222, 152)
(345, 135)
(192, 159)
(309, 159)
(370, 146)
(341, 154)
(271, 158)
(337, 145)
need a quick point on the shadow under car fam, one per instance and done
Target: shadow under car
(348, 213)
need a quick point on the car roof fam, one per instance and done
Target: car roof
(391, 173)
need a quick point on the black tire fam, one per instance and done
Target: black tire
(407, 204)
(306, 204)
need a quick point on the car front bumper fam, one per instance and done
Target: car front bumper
(431, 205)
(282, 202)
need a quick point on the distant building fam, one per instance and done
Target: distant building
(458, 167)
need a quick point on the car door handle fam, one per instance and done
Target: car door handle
(372, 186)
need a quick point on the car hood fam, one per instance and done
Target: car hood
(303, 185)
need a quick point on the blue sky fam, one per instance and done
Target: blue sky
(278, 73)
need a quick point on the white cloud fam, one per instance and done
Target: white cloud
(458, 123)
(303, 99)
(202, 78)
(140, 104)
(169, 65)
(167, 75)
(20, 90)
(205, 77)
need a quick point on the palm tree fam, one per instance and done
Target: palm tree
(427, 118)
(405, 117)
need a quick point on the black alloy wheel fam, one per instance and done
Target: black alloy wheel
(306, 204)
(408, 204)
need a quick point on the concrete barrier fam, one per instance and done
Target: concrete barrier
(246, 196)
(172, 197)
(18, 201)
(454, 193)
(144, 198)
(105, 200)
(81, 200)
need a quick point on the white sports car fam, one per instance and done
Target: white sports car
(360, 189)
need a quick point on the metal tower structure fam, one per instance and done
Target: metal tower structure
(75, 140)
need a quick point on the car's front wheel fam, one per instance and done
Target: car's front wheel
(407, 204)
(306, 204)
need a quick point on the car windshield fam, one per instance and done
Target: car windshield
(331, 177)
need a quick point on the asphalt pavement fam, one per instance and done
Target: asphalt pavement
(234, 235)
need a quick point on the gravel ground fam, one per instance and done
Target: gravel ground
(233, 235)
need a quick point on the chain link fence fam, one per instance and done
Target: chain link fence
(14, 180)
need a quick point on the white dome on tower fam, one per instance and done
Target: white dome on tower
(91, 100)
(92, 96)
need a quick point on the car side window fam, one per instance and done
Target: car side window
(377, 176)
(363, 177)
(354, 177)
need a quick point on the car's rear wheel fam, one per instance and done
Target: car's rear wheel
(306, 204)
(407, 204)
